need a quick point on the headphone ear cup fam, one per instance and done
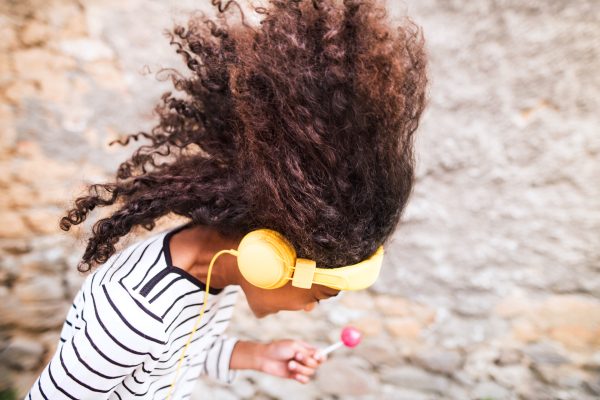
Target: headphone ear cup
(265, 259)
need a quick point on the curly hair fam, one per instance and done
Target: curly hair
(303, 125)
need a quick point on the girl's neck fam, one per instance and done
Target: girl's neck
(192, 250)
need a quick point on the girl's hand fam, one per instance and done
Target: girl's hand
(291, 359)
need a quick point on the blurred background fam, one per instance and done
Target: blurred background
(490, 289)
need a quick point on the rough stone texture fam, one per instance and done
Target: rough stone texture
(489, 390)
(439, 361)
(341, 377)
(22, 354)
(491, 287)
(415, 378)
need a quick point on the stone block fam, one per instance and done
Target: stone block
(9, 268)
(40, 288)
(37, 64)
(574, 336)
(369, 326)
(593, 361)
(86, 49)
(340, 315)
(339, 377)
(55, 89)
(511, 376)
(43, 220)
(396, 393)
(43, 262)
(42, 316)
(489, 390)
(20, 90)
(106, 74)
(9, 38)
(202, 392)
(417, 379)
(573, 379)
(404, 328)
(445, 362)
(392, 306)
(525, 331)
(12, 225)
(75, 26)
(537, 391)
(8, 131)
(378, 353)
(545, 354)
(509, 357)
(358, 300)
(457, 392)
(33, 316)
(21, 195)
(593, 385)
(280, 388)
(23, 354)
(565, 310)
(480, 361)
(34, 33)
(244, 389)
(422, 313)
(514, 306)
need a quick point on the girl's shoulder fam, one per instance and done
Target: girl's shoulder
(135, 261)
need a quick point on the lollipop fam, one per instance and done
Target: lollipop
(350, 338)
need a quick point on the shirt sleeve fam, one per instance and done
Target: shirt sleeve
(112, 346)
(218, 358)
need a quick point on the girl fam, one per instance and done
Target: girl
(295, 136)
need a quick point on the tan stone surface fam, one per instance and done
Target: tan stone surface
(20, 90)
(369, 327)
(35, 33)
(12, 225)
(358, 300)
(43, 221)
(404, 328)
(9, 38)
(392, 306)
(525, 331)
(576, 336)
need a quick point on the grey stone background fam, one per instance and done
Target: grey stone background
(491, 287)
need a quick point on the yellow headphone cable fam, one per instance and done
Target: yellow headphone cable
(233, 252)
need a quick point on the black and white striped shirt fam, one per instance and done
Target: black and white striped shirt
(127, 328)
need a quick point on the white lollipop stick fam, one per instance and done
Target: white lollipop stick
(332, 347)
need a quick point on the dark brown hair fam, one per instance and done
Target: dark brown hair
(303, 125)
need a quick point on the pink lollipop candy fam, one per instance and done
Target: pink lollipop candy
(350, 337)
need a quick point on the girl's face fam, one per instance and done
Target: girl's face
(263, 302)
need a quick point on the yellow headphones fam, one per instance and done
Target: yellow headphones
(266, 259)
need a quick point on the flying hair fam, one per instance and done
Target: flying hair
(304, 125)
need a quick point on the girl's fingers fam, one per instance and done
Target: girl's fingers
(303, 347)
(308, 361)
(298, 368)
(320, 357)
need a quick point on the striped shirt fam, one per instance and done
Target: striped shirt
(128, 326)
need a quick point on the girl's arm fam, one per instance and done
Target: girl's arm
(109, 347)
(291, 359)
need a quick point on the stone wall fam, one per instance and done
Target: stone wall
(489, 291)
